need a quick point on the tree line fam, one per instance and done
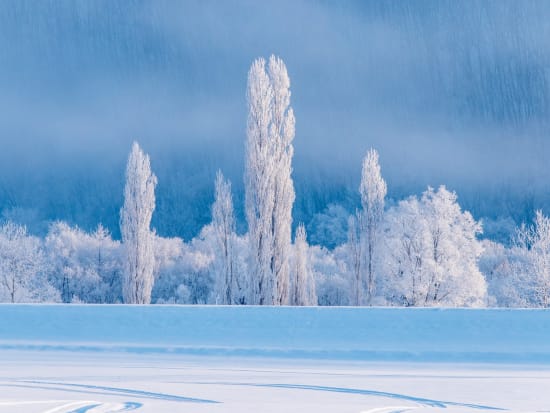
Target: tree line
(422, 251)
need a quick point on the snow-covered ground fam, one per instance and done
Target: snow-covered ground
(60, 359)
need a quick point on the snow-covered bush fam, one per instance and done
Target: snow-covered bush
(183, 271)
(302, 281)
(23, 267)
(84, 267)
(331, 275)
(504, 271)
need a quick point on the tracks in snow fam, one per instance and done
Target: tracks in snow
(396, 396)
(77, 406)
(91, 406)
(390, 409)
(89, 388)
(103, 407)
(95, 407)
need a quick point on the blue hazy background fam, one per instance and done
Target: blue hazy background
(449, 92)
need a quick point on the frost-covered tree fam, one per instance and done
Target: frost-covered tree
(84, 267)
(354, 258)
(533, 267)
(223, 224)
(186, 272)
(519, 276)
(373, 191)
(241, 295)
(135, 221)
(329, 227)
(23, 267)
(431, 253)
(406, 246)
(107, 263)
(332, 276)
(505, 271)
(303, 283)
(282, 131)
(269, 189)
(259, 196)
(183, 270)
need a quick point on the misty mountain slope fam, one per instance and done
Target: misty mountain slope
(449, 93)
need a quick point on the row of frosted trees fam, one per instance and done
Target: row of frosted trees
(421, 251)
(269, 200)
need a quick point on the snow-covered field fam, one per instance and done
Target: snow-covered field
(60, 359)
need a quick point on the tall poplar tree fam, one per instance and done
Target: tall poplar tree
(269, 188)
(223, 223)
(135, 221)
(373, 191)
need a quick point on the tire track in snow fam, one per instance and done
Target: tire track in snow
(79, 406)
(420, 400)
(390, 409)
(60, 388)
(119, 390)
(107, 408)
(88, 408)
(73, 406)
(25, 402)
